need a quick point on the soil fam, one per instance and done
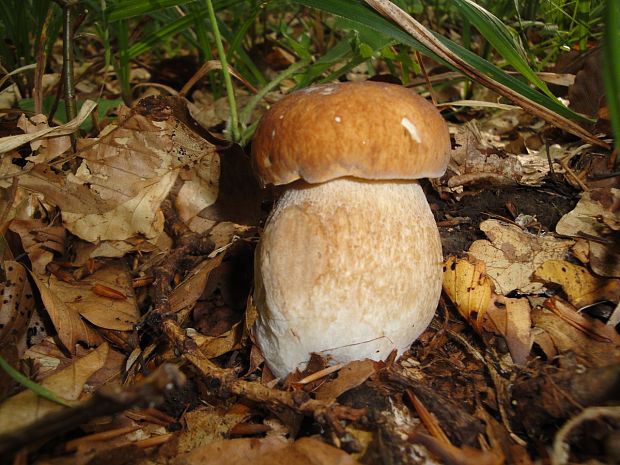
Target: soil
(459, 222)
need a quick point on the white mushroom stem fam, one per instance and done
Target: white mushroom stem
(349, 269)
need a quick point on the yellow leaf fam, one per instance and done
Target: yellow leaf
(581, 287)
(467, 285)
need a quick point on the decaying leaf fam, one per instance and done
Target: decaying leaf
(596, 217)
(467, 285)
(214, 346)
(512, 255)
(12, 142)
(581, 287)
(594, 328)
(26, 407)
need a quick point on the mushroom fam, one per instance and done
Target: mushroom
(349, 265)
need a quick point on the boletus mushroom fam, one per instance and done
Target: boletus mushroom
(349, 265)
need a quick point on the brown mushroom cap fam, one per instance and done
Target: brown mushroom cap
(367, 130)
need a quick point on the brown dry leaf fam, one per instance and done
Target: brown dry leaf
(16, 309)
(199, 191)
(512, 255)
(267, 451)
(88, 297)
(17, 303)
(349, 377)
(580, 286)
(116, 193)
(187, 293)
(70, 326)
(206, 425)
(26, 407)
(596, 216)
(511, 319)
(467, 285)
(214, 346)
(47, 149)
(594, 328)
(556, 336)
(40, 241)
(475, 162)
(12, 142)
(45, 358)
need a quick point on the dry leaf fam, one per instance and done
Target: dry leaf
(580, 286)
(70, 326)
(475, 162)
(26, 407)
(511, 319)
(594, 328)
(12, 142)
(555, 336)
(467, 285)
(596, 215)
(16, 305)
(214, 346)
(40, 241)
(81, 297)
(47, 148)
(187, 293)
(349, 377)
(137, 216)
(114, 197)
(267, 451)
(512, 255)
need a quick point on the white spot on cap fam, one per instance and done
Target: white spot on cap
(328, 90)
(273, 133)
(281, 116)
(411, 129)
(338, 119)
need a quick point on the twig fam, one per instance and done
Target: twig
(225, 383)
(561, 450)
(68, 59)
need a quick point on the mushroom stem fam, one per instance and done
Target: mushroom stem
(348, 269)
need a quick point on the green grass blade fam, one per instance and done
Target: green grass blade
(355, 11)
(159, 35)
(28, 383)
(125, 9)
(611, 66)
(501, 38)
